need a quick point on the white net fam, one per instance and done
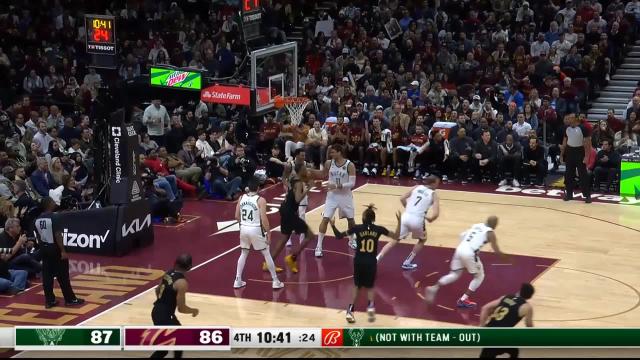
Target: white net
(296, 110)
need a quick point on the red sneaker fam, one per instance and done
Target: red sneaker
(466, 304)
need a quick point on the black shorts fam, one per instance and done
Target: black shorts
(163, 317)
(364, 273)
(290, 223)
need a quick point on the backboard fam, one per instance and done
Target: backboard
(274, 72)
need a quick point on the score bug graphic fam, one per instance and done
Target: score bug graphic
(172, 338)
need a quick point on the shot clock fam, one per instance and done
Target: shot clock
(100, 34)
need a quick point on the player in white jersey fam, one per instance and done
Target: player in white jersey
(417, 203)
(251, 213)
(466, 257)
(342, 178)
(290, 172)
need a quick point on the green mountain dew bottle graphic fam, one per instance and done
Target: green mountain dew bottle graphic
(50, 336)
(176, 78)
(630, 179)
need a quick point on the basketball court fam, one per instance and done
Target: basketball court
(581, 258)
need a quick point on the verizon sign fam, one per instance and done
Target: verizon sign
(225, 94)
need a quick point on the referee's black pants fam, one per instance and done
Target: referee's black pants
(162, 317)
(574, 160)
(54, 266)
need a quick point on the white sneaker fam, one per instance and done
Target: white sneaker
(425, 176)
(371, 311)
(365, 172)
(430, 294)
(417, 175)
(515, 183)
(374, 171)
(239, 284)
(502, 182)
(277, 284)
(350, 318)
(289, 243)
(445, 178)
(318, 253)
(352, 244)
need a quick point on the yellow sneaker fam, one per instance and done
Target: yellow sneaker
(384, 171)
(392, 173)
(291, 263)
(266, 268)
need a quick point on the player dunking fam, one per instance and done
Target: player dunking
(342, 179)
(507, 311)
(171, 295)
(364, 263)
(251, 213)
(290, 172)
(466, 257)
(417, 203)
(290, 220)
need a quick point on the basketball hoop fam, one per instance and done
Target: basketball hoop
(295, 106)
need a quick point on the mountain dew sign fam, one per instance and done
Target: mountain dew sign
(630, 176)
(175, 78)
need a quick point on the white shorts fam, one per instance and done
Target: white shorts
(344, 204)
(412, 224)
(302, 211)
(252, 235)
(466, 258)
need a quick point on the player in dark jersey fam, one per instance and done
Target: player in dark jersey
(507, 311)
(290, 220)
(365, 264)
(171, 295)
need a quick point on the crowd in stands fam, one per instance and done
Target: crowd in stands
(500, 75)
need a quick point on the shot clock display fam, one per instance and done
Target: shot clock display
(101, 34)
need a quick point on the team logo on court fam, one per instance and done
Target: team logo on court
(50, 336)
(356, 336)
(332, 337)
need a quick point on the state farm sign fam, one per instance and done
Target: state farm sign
(226, 94)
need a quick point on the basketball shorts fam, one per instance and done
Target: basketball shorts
(412, 224)
(343, 204)
(290, 223)
(163, 317)
(364, 273)
(466, 258)
(252, 236)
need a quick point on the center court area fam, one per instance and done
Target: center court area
(581, 258)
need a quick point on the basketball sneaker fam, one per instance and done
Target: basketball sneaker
(409, 266)
(371, 311)
(318, 253)
(292, 264)
(266, 268)
(430, 294)
(515, 183)
(384, 172)
(417, 175)
(350, 318)
(374, 172)
(392, 173)
(398, 174)
(502, 182)
(239, 284)
(467, 304)
(365, 172)
(277, 284)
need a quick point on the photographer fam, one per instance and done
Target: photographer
(217, 181)
(25, 257)
(168, 183)
(241, 166)
(164, 203)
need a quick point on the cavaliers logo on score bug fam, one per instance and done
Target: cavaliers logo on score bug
(332, 337)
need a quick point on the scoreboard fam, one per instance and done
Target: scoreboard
(224, 338)
(100, 34)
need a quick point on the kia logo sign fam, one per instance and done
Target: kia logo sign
(223, 94)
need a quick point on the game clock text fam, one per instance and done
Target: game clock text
(281, 337)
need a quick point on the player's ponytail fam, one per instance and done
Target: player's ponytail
(369, 215)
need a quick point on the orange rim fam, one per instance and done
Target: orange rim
(281, 101)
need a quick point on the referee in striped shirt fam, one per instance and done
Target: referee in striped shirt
(576, 147)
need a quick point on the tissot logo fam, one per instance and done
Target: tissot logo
(136, 226)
